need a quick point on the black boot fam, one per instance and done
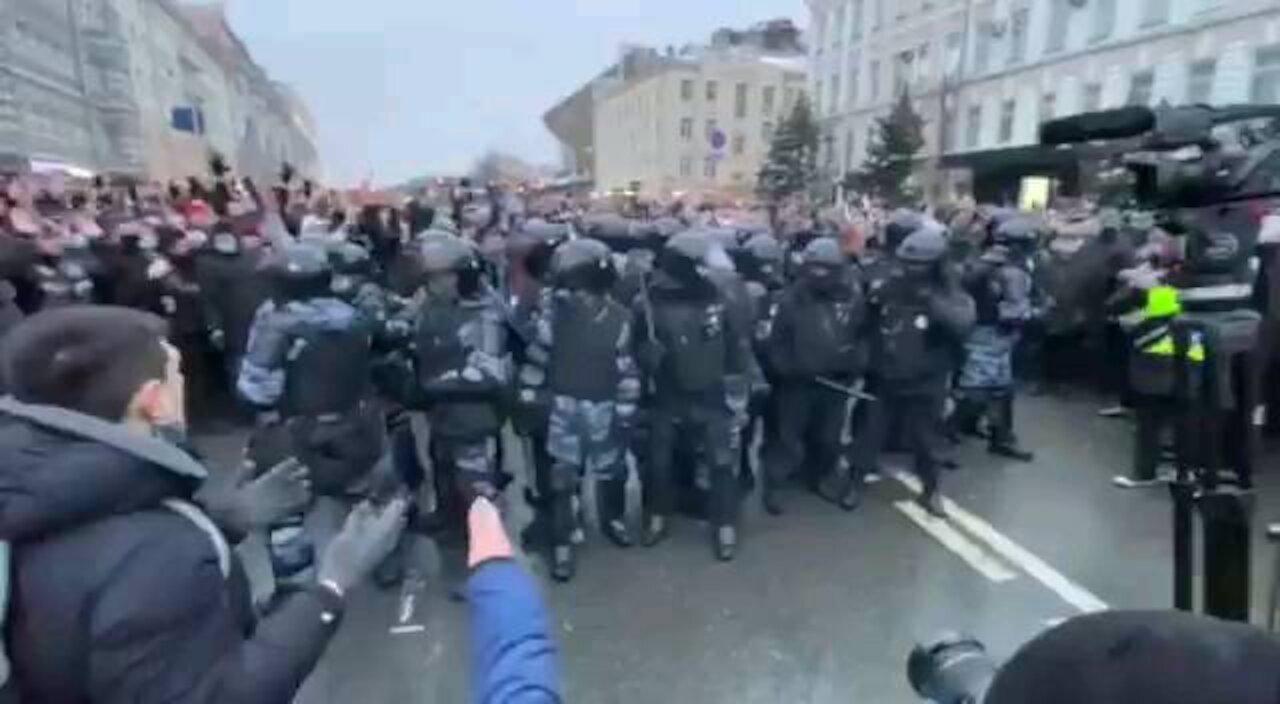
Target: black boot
(1003, 441)
(852, 496)
(611, 506)
(655, 531)
(726, 543)
(931, 501)
(769, 497)
(564, 565)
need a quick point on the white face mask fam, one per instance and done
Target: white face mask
(226, 243)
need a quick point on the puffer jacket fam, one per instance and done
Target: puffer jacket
(120, 591)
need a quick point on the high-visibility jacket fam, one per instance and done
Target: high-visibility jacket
(1154, 335)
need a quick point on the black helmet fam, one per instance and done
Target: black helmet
(1016, 231)
(927, 245)
(584, 264)
(764, 248)
(540, 231)
(350, 259)
(538, 239)
(684, 256)
(901, 224)
(441, 252)
(299, 271)
(824, 251)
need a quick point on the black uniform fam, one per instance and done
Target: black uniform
(232, 290)
(694, 356)
(815, 345)
(917, 320)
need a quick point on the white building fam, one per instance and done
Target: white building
(985, 73)
(94, 84)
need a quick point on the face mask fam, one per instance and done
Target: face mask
(172, 433)
(226, 243)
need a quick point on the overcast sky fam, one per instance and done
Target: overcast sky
(402, 88)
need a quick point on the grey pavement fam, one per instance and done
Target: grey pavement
(821, 607)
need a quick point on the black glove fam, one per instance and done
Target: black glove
(252, 505)
(650, 356)
(369, 536)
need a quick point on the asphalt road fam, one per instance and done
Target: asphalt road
(821, 607)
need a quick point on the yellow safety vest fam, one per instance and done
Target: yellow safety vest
(1164, 302)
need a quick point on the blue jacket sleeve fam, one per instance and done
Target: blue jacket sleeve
(513, 657)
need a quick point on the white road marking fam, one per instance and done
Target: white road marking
(965, 549)
(407, 630)
(1074, 594)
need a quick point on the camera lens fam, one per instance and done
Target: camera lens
(951, 669)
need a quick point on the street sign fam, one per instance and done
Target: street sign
(718, 140)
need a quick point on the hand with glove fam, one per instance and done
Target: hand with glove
(650, 355)
(369, 536)
(251, 505)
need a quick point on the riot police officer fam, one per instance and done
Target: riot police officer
(461, 377)
(761, 260)
(354, 282)
(582, 361)
(232, 290)
(1000, 283)
(815, 349)
(305, 372)
(917, 320)
(697, 361)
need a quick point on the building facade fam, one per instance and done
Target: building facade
(985, 73)
(679, 119)
(99, 85)
(701, 124)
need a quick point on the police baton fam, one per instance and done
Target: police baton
(850, 391)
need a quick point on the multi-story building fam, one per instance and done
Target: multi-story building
(693, 118)
(94, 85)
(985, 73)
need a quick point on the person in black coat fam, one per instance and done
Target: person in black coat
(120, 588)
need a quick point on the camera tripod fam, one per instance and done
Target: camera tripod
(1216, 450)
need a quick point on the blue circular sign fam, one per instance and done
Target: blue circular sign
(718, 140)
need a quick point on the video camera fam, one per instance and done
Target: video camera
(1206, 188)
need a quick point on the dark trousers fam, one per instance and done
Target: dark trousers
(710, 430)
(918, 414)
(810, 422)
(1154, 415)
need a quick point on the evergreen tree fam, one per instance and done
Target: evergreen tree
(792, 164)
(886, 174)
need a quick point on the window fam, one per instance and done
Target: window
(1104, 19)
(686, 166)
(901, 67)
(686, 90)
(1018, 36)
(766, 130)
(854, 72)
(1266, 75)
(1059, 21)
(1155, 12)
(686, 129)
(850, 146)
(709, 168)
(877, 13)
(1140, 88)
(1008, 111)
(955, 53)
(922, 62)
(766, 103)
(838, 37)
(982, 52)
(856, 19)
(834, 94)
(739, 145)
(1048, 106)
(711, 128)
(875, 81)
(712, 91)
(788, 98)
(973, 131)
(740, 101)
(1200, 77)
(1091, 98)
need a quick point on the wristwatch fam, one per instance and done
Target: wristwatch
(332, 598)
